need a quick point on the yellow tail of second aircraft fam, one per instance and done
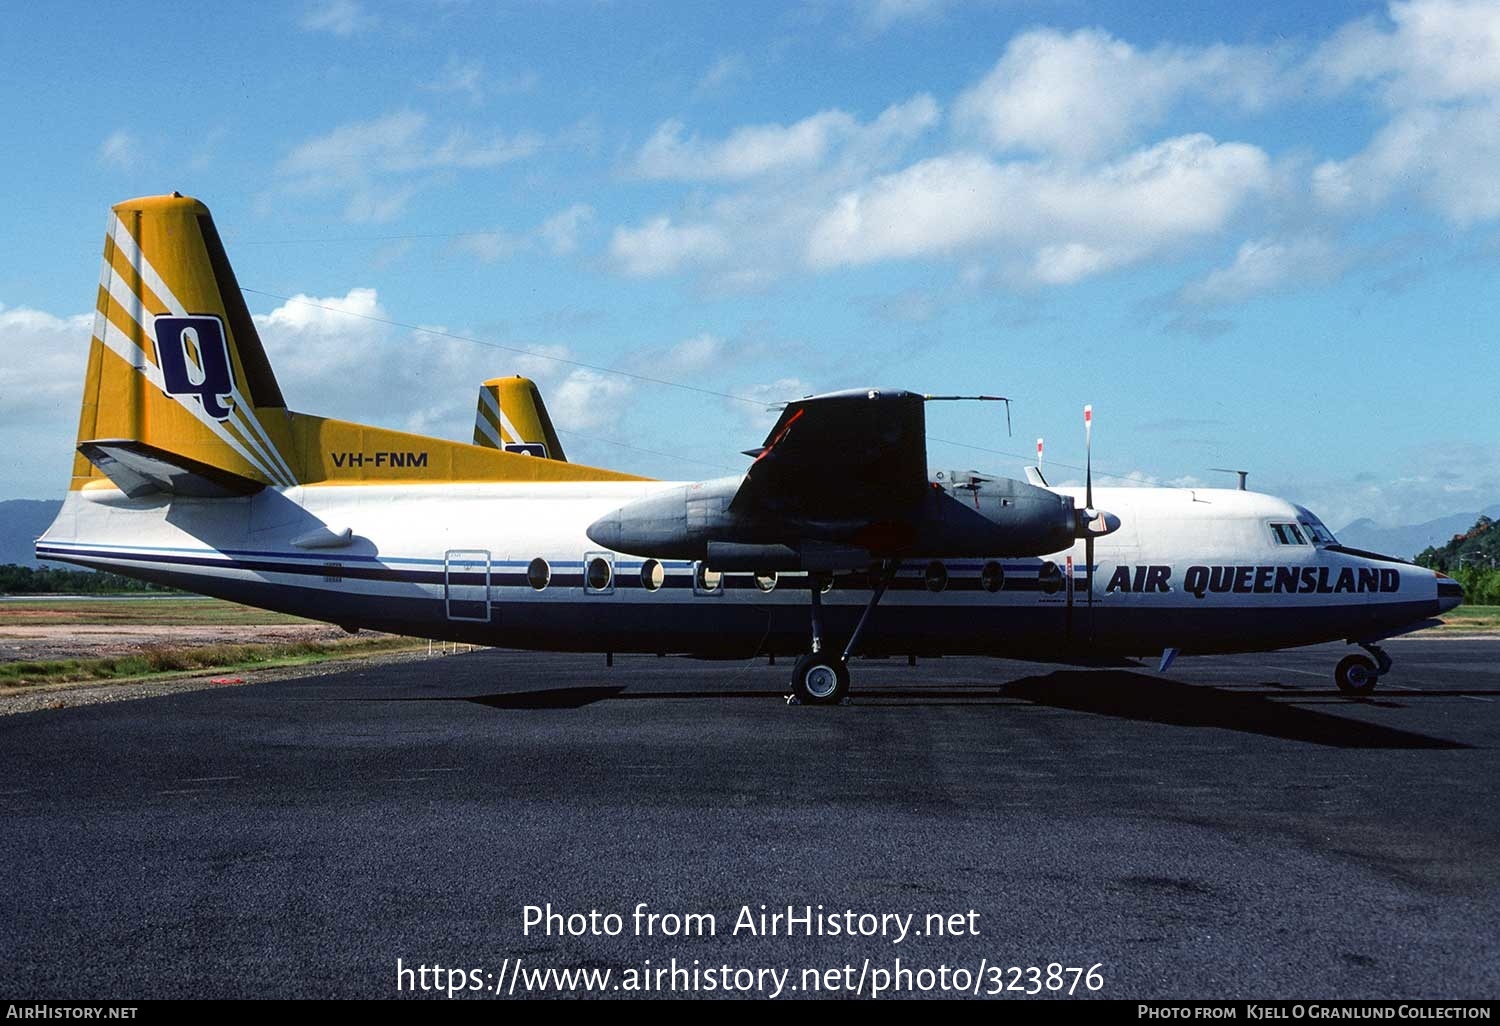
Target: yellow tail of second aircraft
(180, 397)
(512, 416)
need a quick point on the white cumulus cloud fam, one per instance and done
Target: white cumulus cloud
(42, 367)
(1268, 265)
(559, 233)
(661, 247)
(1445, 155)
(1086, 93)
(1066, 224)
(121, 150)
(339, 17)
(379, 164)
(1435, 64)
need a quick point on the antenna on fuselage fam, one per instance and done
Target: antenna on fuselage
(1243, 474)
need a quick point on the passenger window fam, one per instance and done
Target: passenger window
(936, 577)
(652, 575)
(706, 581)
(992, 577)
(599, 576)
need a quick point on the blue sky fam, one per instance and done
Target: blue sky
(1260, 236)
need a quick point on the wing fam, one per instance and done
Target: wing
(846, 455)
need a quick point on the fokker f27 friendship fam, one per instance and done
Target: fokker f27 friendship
(837, 541)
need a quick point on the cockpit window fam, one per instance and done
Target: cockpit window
(1318, 533)
(1287, 534)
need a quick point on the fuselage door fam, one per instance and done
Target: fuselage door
(466, 584)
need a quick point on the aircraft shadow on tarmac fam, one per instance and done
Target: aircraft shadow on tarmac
(1138, 696)
(1132, 696)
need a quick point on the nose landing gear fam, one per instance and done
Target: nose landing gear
(1357, 674)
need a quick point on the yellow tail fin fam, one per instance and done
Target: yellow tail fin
(175, 360)
(512, 416)
(180, 397)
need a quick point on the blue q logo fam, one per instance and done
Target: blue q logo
(195, 361)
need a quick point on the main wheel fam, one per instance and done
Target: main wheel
(820, 679)
(1356, 675)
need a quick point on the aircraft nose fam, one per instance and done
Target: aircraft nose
(1450, 593)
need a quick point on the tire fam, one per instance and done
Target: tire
(1356, 675)
(820, 679)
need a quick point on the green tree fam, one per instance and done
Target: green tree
(25, 580)
(1472, 559)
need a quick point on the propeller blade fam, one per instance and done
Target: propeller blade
(1088, 457)
(1088, 501)
(1038, 454)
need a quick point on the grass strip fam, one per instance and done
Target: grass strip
(1472, 618)
(166, 612)
(160, 661)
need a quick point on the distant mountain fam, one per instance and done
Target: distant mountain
(1406, 542)
(21, 521)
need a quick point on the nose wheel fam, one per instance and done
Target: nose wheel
(1357, 674)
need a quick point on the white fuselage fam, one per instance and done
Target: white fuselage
(1199, 570)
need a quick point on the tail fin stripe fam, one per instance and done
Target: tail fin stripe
(128, 280)
(122, 340)
(483, 427)
(243, 421)
(246, 411)
(506, 427)
(128, 247)
(129, 310)
(494, 425)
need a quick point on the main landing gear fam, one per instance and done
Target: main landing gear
(1357, 674)
(822, 678)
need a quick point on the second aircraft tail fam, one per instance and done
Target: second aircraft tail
(512, 416)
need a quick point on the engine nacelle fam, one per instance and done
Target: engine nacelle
(674, 524)
(974, 517)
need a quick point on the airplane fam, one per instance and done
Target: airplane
(837, 542)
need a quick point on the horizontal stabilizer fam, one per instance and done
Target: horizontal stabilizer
(139, 469)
